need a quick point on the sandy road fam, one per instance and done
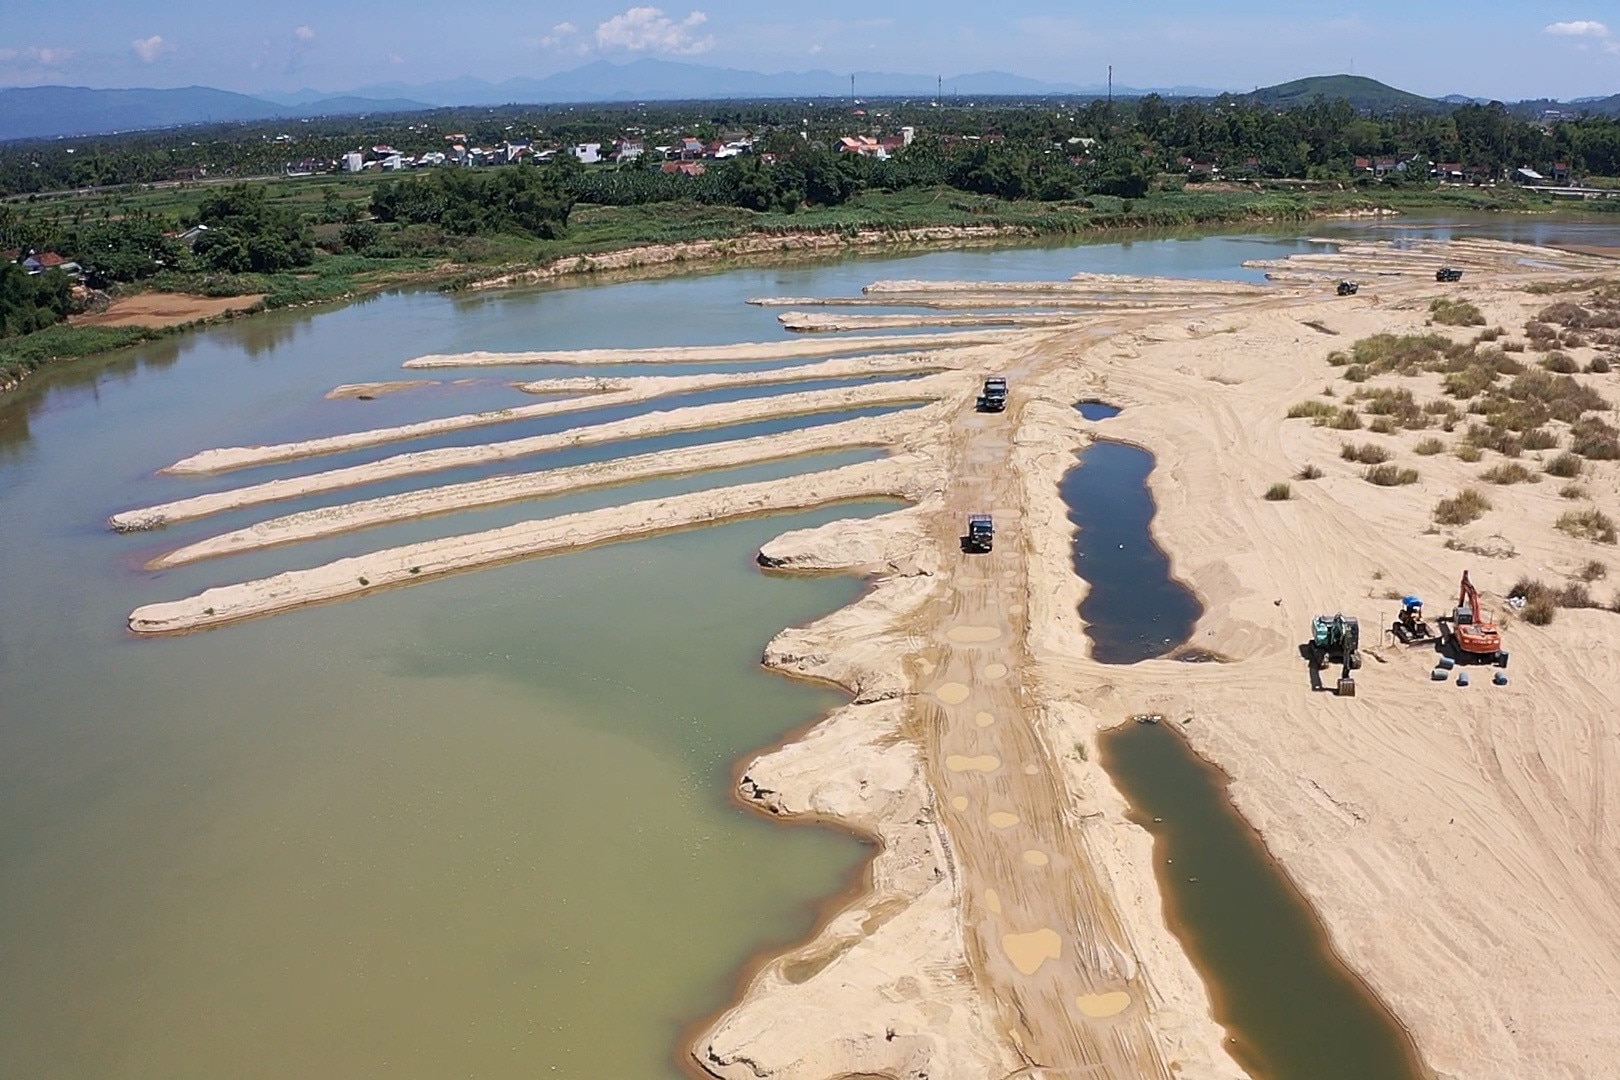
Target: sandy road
(1046, 939)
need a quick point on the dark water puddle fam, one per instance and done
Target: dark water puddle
(1135, 609)
(1097, 410)
(1292, 1009)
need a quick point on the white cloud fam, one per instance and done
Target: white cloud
(558, 36)
(149, 49)
(648, 29)
(1577, 28)
(304, 33)
(48, 56)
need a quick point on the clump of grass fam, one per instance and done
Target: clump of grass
(1564, 466)
(1390, 476)
(1572, 491)
(1346, 419)
(1509, 472)
(1575, 594)
(1279, 492)
(1540, 601)
(1429, 447)
(1539, 439)
(1595, 570)
(1513, 346)
(1589, 524)
(1448, 312)
(1364, 454)
(1316, 410)
(1594, 438)
(1468, 452)
(1598, 365)
(1356, 373)
(1309, 472)
(1491, 334)
(1490, 437)
(1382, 425)
(1465, 506)
(1560, 363)
(1542, 337)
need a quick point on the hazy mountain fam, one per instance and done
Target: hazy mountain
(32, 112)
(665, 80)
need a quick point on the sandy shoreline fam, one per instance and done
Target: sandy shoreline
(1459, 845)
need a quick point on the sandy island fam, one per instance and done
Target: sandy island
(159, 309)
(1461, 846)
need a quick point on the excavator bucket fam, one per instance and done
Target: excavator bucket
(1346, 688)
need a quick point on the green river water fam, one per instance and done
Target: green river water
(476, 828)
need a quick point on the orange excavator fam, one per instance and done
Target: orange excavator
(1473, 636)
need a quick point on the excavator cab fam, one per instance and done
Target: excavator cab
(1337, 636)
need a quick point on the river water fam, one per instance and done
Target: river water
(477, 827)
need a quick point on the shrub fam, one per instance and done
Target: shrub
(1509, 472)
(1560, 363)
(1355, 373)
(1313, 409)
(1490, 335)
(1539, 439)
(1465, 506)
(1540, 600)
(1390, 476)
(1468, 452)
(1309, 472)
(1575, 594)
(1565, 466)
(1279, 492)
(1594, 438)
(1449, 312)
(1346, 419)
(1429, 446)
(1382, 425)
(1589, 524)
(1595, 570)
(1513, 346)
(1365, 454)
(1599, 365)
(1501, 440)
(1572, 491)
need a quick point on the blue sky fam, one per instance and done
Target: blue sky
(1511, 50)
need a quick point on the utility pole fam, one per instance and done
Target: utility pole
(1110, 87)
(852, 90)
(939, 89)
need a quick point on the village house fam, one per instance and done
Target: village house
(685, 168)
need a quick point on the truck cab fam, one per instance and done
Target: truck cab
(1348, 288)
(994, 397)
(981, 533)
(1448, 273)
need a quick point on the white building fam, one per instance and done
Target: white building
(354, 161)
(589, 153)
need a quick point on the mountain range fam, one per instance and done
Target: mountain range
(57, 111)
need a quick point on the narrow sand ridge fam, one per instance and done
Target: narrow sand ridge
(594, 394)
(696, 418)
(895, 478)
(1177, 291)
(805, 322)
(376, 389)
(741, 353)
(1078, 300)
(427, 502)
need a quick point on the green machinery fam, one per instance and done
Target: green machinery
(1337, 637)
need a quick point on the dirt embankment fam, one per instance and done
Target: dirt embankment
(156, 310)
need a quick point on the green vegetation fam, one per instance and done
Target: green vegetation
(1594, 570)
(1509, 472)
(1309, 472)
(1457, 313)
(1589, 524)
(31, 302)
(1390, 476)
(1595, 439)
(1364, 454)
(1572, 491)
(1460, 509)
(1316, 410)
(1429, 447)
(1279, 492)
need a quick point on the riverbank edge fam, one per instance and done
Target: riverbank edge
(636, 261)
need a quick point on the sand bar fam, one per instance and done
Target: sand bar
(345, 578)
